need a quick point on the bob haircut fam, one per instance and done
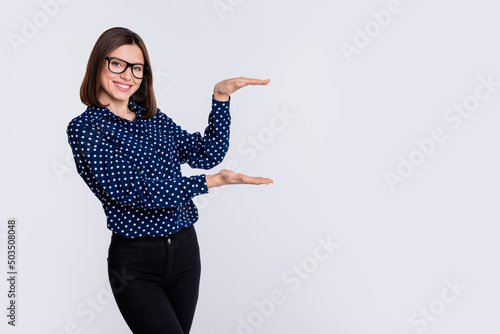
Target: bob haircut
(109, 41)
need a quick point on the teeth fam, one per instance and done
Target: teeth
(122, 86)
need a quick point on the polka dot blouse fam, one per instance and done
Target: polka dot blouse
(133, 167)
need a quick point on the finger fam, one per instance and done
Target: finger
(263, 180)
(230, 86)
(251, 81)
(256, 180)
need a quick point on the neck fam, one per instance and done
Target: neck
(119, 108)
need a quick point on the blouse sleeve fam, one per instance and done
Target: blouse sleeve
(206, 151)
(99, 161)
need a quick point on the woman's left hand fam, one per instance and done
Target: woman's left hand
(223, 89)
(226, 176)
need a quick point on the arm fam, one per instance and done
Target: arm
(101, 164)
(207, 151)
(222, 91)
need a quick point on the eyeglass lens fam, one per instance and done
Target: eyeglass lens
(119, 66)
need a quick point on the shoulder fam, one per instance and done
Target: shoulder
(83, 122)
(161, 118)
(76, 123)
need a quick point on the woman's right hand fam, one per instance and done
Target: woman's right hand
(225, 177)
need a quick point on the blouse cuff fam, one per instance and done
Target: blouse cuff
(214, 100)
(200, 185)
(220, 107)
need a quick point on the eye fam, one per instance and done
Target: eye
(116, 63)
(137, 68)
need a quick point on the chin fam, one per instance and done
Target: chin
(121, 96)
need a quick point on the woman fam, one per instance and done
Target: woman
(129, 154)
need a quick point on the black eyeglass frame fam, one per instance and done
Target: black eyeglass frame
(146, 68)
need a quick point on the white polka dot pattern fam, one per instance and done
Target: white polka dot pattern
(133, 167)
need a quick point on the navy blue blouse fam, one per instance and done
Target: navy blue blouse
(133, 167)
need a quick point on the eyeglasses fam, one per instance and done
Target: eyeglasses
(118, 66)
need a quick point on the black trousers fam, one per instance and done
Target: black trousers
(155, 281)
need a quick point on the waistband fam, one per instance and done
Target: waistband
(152, 239)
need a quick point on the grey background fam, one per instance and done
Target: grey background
(353, 121)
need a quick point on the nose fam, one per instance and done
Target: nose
(127, 75)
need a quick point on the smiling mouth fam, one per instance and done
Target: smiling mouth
(122, 87)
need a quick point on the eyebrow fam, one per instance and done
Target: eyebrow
(127, 61)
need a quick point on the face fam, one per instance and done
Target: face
(118, 88)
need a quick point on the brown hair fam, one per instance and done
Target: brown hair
(109, 41)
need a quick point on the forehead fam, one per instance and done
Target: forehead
(130, 53)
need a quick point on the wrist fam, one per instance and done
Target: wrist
(213, 181)
(220, 97)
